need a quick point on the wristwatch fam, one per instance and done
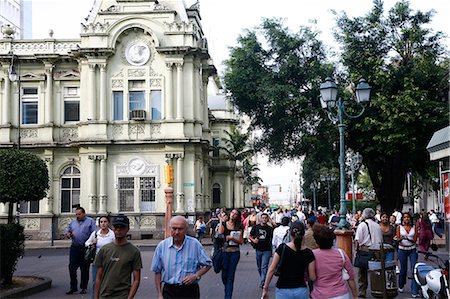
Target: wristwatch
(198, 276)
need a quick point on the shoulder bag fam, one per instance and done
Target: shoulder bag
(363, 257)
(280, 263)
(345, 275)
(89, 255)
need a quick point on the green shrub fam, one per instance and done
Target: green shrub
(12, 247)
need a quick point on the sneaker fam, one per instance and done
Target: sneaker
(415, 295)
(400, 290)
(397, 270)
(70, 292)
(83, 291)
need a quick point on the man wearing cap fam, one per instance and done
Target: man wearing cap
(179, 262)
(79, 230)
(368, 236)
(116, 262)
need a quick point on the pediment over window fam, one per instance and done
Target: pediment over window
(67, 75)
(32, 77)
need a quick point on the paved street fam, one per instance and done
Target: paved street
(53, 263)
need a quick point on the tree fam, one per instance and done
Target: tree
(23, 177)
(405, 62)
(237, 150)
(249, 175)
(277, 86)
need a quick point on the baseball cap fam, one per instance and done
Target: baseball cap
(121, 220)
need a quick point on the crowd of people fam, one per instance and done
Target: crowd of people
(280, 238)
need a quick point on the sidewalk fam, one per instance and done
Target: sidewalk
(58, 244)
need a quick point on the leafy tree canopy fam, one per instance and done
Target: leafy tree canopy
(274, 77)
(405, 62)
(23, 177)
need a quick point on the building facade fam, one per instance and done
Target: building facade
(108, 111)
(18, 14)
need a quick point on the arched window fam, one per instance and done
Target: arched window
(70, 189)
(216, 193)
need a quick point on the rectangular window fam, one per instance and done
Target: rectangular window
(71, 104)
(137, 100)
(216, 143)
(126, 194)
(31, 207)
(118, 105)
(30, 105)
(147, 187)
(155, 97)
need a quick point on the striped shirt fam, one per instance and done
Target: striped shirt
(177, 263)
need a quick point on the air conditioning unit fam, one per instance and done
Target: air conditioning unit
(137, 114)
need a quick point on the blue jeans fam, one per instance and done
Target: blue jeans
(230, 261)
(403, 259)
(389, 256)
(262, 261)
(94, 275)
(296, 293)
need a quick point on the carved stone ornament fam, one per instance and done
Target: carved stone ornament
(155, 82)
(69, 133)
(28, 133)
(117, 131)
(136, 167)
(148, 222)
(137, 53)
(30, 223)
(117, 83)
(136, 129)
(136, 73)
(155, 129)
(63, 222)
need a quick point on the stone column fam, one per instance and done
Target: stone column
(49, 204)
(6, 100)
(196, 99)
(169, 201)
(180, 104)
(48, 118)
(207, 187)
(204, 99)
(92, 115)
(102, 95)
(93, 186)
(103, 197)
(169, 92)
(180, 185)
(198, 187)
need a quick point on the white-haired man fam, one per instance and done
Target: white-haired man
(179, 262)
(368, 235)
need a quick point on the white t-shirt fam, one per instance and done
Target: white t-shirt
(398, 217)
(278, 235)
(375, 238)
(101, 240)
(301, 216)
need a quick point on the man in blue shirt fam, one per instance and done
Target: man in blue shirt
(179, 262)
(79, 230)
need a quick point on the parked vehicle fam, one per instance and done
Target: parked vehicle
(433, 282)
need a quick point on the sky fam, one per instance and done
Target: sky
(224, 20)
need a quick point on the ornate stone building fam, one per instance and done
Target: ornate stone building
(109, 110)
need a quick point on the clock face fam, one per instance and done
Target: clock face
(137, 53)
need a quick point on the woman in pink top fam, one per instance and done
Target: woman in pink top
(329, 283)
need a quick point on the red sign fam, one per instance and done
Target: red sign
(359, 196)
(446, 197)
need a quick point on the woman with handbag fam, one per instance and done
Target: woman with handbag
(334, 270)
(407, 236)
(292, 283)
(97, 240)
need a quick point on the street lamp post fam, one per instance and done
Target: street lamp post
(336, 112)
(328, 178)
(354, 162)
(314, 185)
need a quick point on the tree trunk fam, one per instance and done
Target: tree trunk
(10, 213)
(388, 180)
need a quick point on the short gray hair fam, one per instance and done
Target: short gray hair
(368, 213)
(179, 218)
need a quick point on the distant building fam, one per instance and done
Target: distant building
(18, 14)
(108, 111)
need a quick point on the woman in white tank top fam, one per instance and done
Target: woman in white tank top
(407, 236)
